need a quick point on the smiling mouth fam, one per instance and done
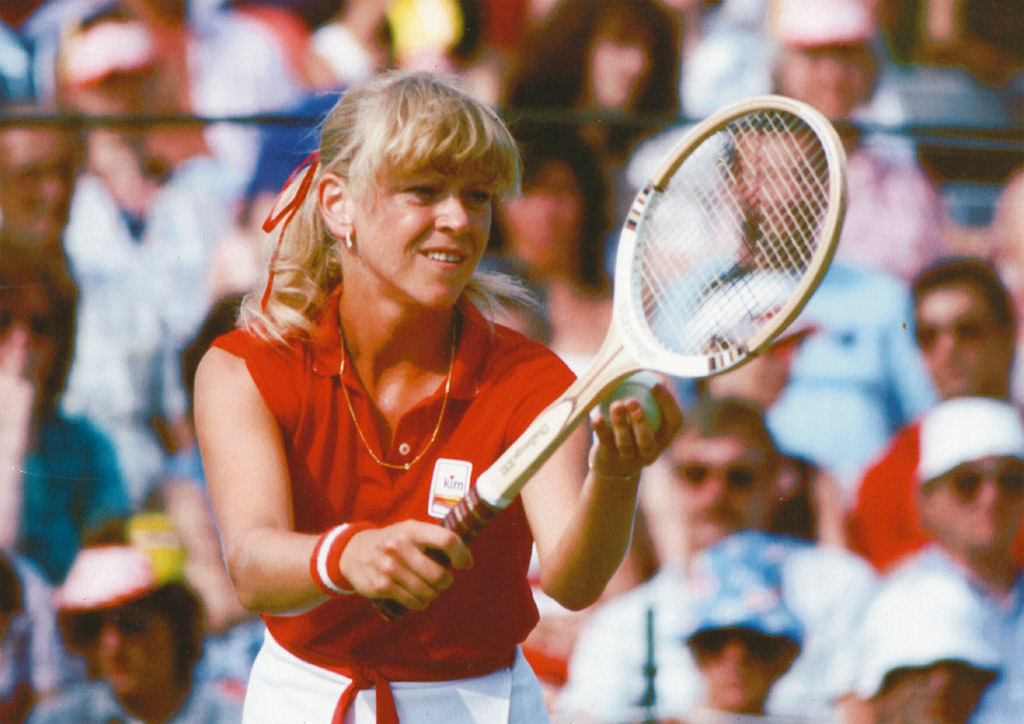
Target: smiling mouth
(444, 256)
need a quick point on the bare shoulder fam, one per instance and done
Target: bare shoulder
(224, 386)
(218, 368)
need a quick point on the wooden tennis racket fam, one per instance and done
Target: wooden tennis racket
(719, 253)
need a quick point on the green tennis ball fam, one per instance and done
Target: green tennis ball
(637, 386)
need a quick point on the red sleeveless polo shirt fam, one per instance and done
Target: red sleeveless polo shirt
(500, 381)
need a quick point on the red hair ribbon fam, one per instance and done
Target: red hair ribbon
(287, 213)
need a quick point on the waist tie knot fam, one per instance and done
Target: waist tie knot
(366, 678)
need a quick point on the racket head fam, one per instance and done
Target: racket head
(729, 238)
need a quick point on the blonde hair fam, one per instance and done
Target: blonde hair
(396, 120)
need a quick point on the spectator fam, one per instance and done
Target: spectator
(476, 40)
(811, 502)
(971, 498)
(826, 59)
(126, 605)
(860, 378)
(721, 476)
(212, 61)
(960, 63)
(964, 324)
(922, 654)
(351, 45)
(857, 380)
(38, 167)
(744, 637)
(727, 53)
(556, 230)
(35, 663)
(142, 224)
(58, 474)
(614, 60)
(233, 635)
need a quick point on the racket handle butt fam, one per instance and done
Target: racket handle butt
(391, 610)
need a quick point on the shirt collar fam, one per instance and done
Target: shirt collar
(474, 339)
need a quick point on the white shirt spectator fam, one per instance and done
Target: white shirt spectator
(826, 588)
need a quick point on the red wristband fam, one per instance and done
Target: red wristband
(325, 563)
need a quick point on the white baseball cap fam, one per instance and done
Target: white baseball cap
(919, 618)
(964, 429)
(821, 23)
(92, 54)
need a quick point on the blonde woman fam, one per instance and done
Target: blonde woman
(364, 386)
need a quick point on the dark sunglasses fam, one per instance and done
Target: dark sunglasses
(129, 622)
(966, 480)
(965, 332)
(710, 644)
(740, 477)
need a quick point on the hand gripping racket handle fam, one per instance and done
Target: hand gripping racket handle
(466, 520)
(503, 480)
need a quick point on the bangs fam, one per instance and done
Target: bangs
(441, 131)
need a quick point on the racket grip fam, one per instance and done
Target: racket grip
(470, 516)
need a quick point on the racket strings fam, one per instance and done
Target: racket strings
(732, 233)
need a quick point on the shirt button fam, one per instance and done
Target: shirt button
(403, 449)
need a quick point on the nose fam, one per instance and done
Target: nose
(944, 344)
(734, 652)
(631, 59)
(715, 487)
(110, 637)
(452, 214)
(939, 680)
(829, 67)
(51, 188)
(988, 494)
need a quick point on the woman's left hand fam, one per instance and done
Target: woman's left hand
(626, 439)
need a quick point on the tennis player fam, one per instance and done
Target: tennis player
(363, 392)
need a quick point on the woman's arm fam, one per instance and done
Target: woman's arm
(247, 474)
(582, 533)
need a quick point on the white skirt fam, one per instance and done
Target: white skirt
(284, 689)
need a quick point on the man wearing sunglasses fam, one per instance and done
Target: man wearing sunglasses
(721, 479)
(924, 652)
(127, 609)
(744, 635)
(971, 499)
(964, 325)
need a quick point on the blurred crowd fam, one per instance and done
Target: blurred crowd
(835, 536)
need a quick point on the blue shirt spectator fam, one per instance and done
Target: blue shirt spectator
(858, 379)
(72, 484)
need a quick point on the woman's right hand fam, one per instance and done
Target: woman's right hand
(393, 562)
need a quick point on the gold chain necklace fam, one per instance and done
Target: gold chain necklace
(437, 427)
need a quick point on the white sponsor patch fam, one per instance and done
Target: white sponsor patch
(450, 482)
